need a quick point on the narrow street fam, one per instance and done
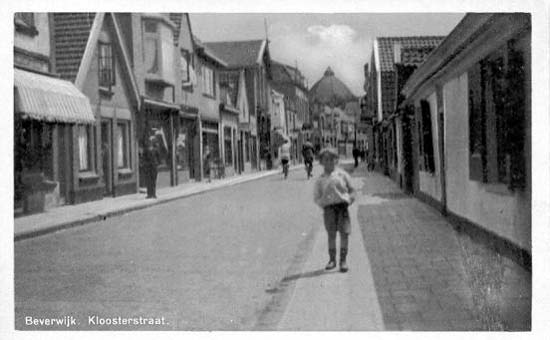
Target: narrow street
(250, 257)
(207, 262)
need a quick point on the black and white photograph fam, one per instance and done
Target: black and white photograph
(275, 169)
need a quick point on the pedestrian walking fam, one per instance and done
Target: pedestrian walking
(207, 163)
(151, 160)
(285, 157)
(333, 192)
(308, 155)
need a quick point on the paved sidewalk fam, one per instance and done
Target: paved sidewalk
(330, 300)
(74, 215)
(409, 271)
(424, 273)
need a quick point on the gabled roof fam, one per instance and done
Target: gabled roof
(280, 72)
(75, 40)
(239, 53)
(384, 47)
(71, 35)
(176, 19)
(204, 50)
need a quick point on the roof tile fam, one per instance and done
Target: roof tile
(237, 53)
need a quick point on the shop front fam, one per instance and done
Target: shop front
(49, 115)
(187, 144)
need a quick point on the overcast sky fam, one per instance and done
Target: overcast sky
(316, 41)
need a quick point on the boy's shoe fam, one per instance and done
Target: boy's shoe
(332, 262)
(330, 265)
(343, 266)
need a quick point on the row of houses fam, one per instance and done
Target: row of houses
(451, 124)
(92, 89)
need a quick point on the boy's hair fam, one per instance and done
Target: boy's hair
(328, 152)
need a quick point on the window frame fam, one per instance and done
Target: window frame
(126, 145)
(153, 36)
(102, 70)
(89, 148)
(205, 70)
(499, 127)
(185, 55)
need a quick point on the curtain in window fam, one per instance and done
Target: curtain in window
(120, 145)
(83, 148)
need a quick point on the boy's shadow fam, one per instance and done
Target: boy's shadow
(313, 273)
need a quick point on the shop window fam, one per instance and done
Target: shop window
(496, 103)
(106, 65)
(123, 145)
(228, 145)
(85, 147)
(33, 147)
(207, 75)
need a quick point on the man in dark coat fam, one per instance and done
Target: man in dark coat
(151, 160)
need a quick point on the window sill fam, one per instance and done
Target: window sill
(498, 189)
(158, 80)
(209, 96)
(87, 175)
(105, 91)
(125, 171)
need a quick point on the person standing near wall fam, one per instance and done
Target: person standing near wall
(151, 160)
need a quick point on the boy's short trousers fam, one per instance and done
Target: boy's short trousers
(337, 218)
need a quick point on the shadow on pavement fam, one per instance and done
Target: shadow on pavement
(309, 274)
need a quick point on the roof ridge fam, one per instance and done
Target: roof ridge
(232, 41)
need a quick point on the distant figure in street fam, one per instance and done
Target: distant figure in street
(285, 157)
(207, 160)
(151, 160)
(355, 154)
(308, 155)
(362, 154)
(334, 193)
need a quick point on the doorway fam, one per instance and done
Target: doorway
(107, 156)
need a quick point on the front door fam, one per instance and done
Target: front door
(106, 156)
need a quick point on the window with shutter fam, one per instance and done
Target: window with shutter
(497, 118)
(427, 136)
(476, 124)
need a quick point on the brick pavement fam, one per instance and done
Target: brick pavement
(418, 266)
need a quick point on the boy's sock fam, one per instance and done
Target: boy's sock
(343, 265)
(332, 262)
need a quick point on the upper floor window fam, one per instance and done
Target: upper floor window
(185, 61)
(106, 65)
(207, 75)
(151, 50)
(24, 23)
(25, 17)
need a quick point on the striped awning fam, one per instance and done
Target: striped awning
(50, 99)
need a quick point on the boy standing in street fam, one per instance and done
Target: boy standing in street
(333, 192)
